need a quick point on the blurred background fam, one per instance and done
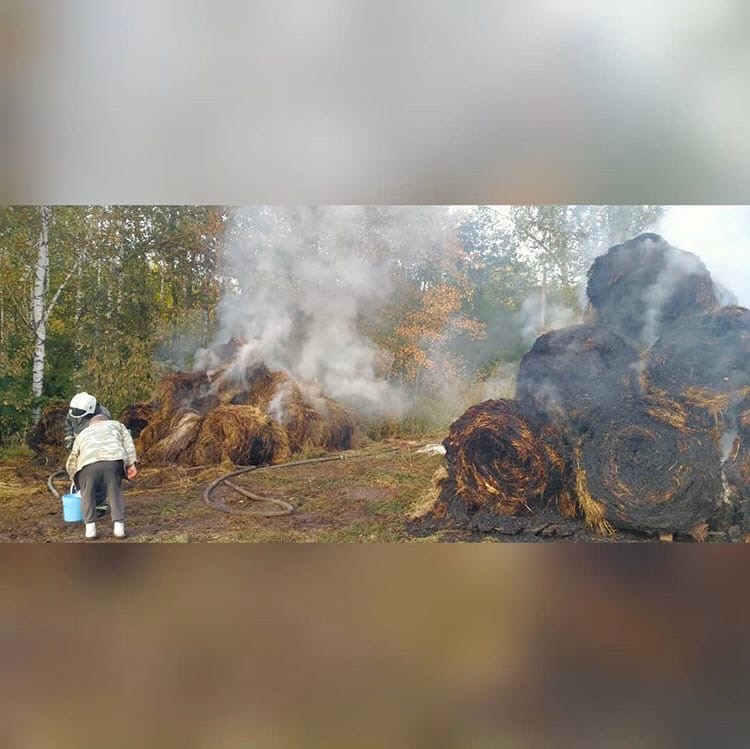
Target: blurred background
(354, 102)
(333, 102)
(328, 646)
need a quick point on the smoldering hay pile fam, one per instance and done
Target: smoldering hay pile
(248, 415)
(635, 405)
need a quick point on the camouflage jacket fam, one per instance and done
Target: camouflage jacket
(73, 426)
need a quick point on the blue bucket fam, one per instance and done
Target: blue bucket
(72, 508)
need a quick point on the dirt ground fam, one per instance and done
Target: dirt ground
(366, 496)
(363, 497)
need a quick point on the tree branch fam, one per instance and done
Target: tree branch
(60, 288)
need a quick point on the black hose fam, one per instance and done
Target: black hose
(52, 477)
(284, 507)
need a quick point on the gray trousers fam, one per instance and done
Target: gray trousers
(104, 476)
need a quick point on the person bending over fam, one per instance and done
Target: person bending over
(102, 455)
(83, 407)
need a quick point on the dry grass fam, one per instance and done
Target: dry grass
(243, 435)
(594, 512)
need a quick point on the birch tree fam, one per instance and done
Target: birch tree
(42, 304)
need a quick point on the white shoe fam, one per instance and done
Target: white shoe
(90, 531)
(119, 529)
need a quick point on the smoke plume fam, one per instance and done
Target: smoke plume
(307, 282)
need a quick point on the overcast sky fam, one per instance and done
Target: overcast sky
(719, 235)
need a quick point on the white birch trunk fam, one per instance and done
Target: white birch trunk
(38, 312)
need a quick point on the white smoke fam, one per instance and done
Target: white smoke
(556, 316)
(677, 267)
(307, 281)
(720, 236)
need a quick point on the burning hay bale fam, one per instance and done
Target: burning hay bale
(311, 420)
(190, 405)
(641, 467)
(242, 434)
(570, 371)
(137, 417)
(185, 390)
(641, 287)
(47, 438)
(704, 359)
(501, 463)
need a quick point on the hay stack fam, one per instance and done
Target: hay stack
(137, 417)
(243, 435)
(500, 462)
(183, 389)
(47, 438)
(704, 359)
(640, 466)
(177, 446)
(309, 422)
(641, 287)
(570, 371)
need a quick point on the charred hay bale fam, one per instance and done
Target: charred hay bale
(177, 446)
(242, 434)
(644, 285)
(182, 389)
(502, 462)
(704, 359)
(737, 474)
(640, 466)
(47, 437)
(570, 371)
(742, 417)
(137, 417)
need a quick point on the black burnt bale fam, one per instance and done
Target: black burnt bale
(644, 285)
(569, 372)
(709, 351)
(646, 474)
(737, 474)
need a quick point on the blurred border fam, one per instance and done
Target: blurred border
(336, 102)
(346, 101)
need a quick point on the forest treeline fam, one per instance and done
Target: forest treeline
(110, 298)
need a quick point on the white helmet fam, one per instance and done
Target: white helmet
(82, 404)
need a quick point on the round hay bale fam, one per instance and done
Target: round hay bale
(737, 474)
(704, 358)
(242, 434)
(137, 417)
(570, 371)
(644, 285)
(500, 462)
(177, 446)
(47, 437)
(641, 467)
